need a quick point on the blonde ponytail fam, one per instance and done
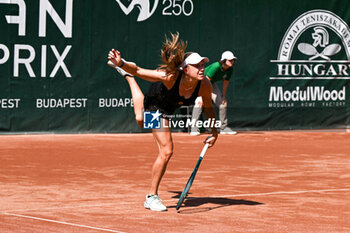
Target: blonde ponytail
(173, 53)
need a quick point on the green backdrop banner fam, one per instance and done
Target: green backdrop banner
(292, 71)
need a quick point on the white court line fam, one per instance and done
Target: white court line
(60, 222)
(60, 207)
(170, 200)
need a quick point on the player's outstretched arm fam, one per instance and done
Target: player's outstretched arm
(115, 57)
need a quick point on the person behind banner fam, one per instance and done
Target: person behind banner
(221, 70)
(179, 81)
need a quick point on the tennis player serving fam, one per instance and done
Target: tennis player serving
(179, 81)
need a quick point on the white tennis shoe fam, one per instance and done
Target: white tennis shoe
(195, 133)
(228, 130)
(153, 202)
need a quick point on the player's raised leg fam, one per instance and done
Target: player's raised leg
(137, 98)
(136, 93)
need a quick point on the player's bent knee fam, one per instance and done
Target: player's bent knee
(166, 153)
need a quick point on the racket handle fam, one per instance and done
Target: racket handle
(204, 150)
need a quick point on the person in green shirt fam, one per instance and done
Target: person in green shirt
(220, 70)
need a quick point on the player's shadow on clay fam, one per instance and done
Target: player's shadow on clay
(191, 204)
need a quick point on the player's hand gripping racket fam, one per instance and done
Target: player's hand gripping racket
(190, 180)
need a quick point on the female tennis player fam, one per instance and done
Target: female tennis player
(177, 82)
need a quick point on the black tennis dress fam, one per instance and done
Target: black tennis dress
(167, 101)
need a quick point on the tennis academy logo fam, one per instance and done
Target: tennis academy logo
(316, 47)
(143, 5)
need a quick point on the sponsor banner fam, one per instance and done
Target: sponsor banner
(293, 61)
(312, 68)
(67, 103)
(311, 96)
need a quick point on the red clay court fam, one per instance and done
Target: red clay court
(250, 182)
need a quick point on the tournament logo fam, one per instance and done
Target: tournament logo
(143, 5)
(316, 46)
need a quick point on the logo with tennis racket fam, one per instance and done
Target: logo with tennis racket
(315, 47)
(152, 120)
(321, 39)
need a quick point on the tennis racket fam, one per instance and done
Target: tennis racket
(193, 175)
